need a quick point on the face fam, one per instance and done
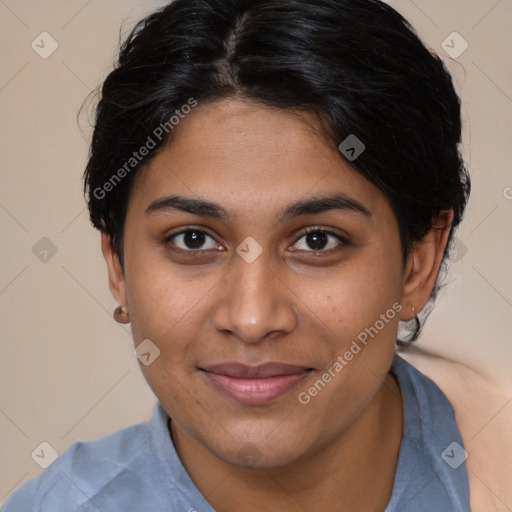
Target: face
(253, 298)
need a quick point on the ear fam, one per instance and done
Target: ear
(423, 266)
(115, 272)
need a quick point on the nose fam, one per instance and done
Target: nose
(256, 303)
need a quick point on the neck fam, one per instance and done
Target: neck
(339, 477)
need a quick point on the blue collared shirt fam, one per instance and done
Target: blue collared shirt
(137, 468)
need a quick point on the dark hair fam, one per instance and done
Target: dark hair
(357, 64)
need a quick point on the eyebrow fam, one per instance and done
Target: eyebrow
(310, 206)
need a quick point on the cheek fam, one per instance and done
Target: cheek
(164, 308)
(160, 296)
(359, 315)
(353, 296)
(360, 306)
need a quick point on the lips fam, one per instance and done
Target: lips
(254, 385)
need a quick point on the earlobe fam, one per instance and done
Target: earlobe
(115, 272)
(423, 266)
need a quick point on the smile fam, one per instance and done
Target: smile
(255, 385)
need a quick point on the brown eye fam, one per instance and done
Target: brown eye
(319, 240)
(193, 240)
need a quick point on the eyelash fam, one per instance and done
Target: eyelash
(343, 241)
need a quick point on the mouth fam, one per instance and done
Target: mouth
(254, 385)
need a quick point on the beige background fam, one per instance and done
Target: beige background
(67, 371)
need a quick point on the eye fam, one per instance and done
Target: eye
(191, 240)
(319, 240)
(313, 240)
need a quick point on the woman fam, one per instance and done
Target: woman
(276, 184)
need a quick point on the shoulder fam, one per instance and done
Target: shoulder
(422, 393)
(481, 398)
(78, 474)
(432, 455)
(429, 417)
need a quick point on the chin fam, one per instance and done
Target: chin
(257, 453)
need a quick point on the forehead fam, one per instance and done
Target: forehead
(250, 155)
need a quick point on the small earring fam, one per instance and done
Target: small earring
(413, 310)
(121, 315)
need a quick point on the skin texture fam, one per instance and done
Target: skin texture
(292, 305)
